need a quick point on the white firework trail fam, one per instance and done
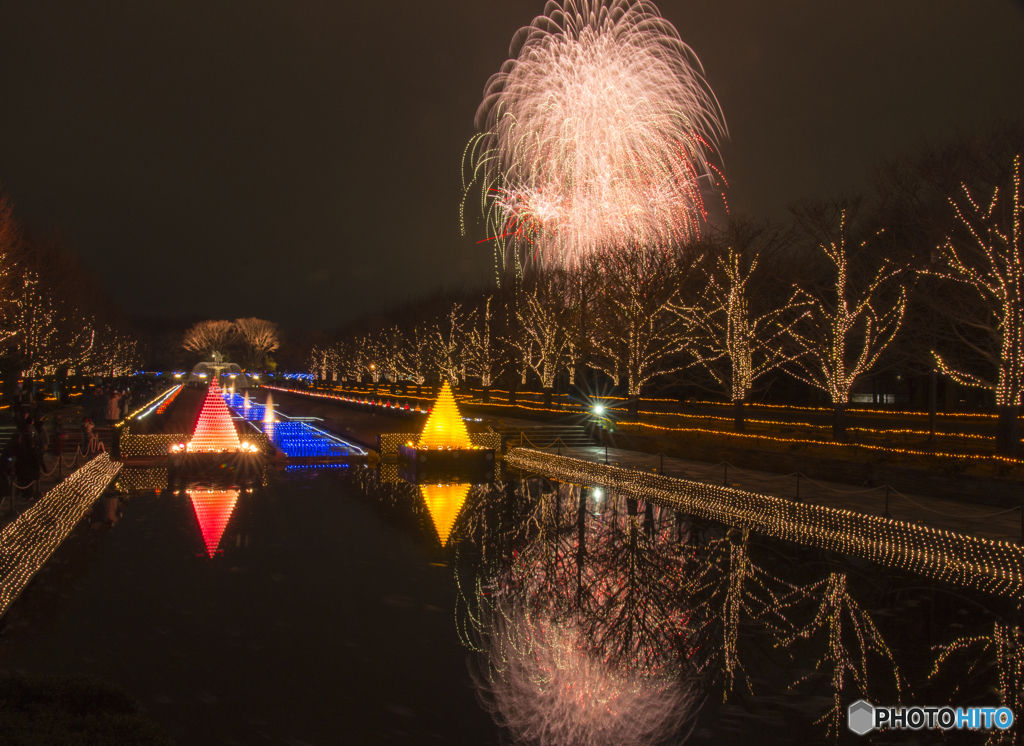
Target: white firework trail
(597, 134)
(548, 689)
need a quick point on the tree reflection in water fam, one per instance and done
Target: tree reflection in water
(584, 635)
(595, 618)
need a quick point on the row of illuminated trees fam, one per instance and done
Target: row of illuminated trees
(926, 277)
(55, 317)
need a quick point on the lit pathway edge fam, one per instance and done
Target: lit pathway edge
(992, 566)
(28, 541)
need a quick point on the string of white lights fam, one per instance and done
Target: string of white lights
(995, 567)
(27, 542)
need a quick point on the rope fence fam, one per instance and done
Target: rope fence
(95, 448)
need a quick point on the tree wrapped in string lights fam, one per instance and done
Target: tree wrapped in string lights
(735, 332)
(392, 348)
(540, 334)
(415, 361)
(448, 342)
(318, 362)
(209, 338)
(1005, 645)
(847, 324)
(639, 334)
(484, 357)
(853, 641)
(987, 256)
(258, 338)
(734, 589)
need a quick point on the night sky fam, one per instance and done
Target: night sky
(300, 161)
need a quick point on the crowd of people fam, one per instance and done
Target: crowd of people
(23, 458)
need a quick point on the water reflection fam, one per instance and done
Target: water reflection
(213, 510)
(596, 618)
(584, 635)
(444, 503)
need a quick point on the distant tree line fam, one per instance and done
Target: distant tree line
(924, 275)
(56, 317)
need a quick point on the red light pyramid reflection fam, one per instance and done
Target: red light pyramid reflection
(213, 510)
(444, 503)
(214, 431)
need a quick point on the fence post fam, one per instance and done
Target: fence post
(887, 502)
(606, 464)
(725, 474)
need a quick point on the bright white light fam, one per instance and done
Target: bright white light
(596, 135)
(598, 493)
(599, 409)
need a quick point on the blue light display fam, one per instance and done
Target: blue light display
(296, 438)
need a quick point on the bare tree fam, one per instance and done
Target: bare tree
(541, 339)
(392, 349)
(318, 361)
(259, 338)
(209, 338)
(10, 243)
(987, 256)
(848, 324)
(483, 353)
(736, 333)
(416, 356)
(638, 333)
(448, 343)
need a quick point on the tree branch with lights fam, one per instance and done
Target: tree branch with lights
(987, 256)
(848, 324)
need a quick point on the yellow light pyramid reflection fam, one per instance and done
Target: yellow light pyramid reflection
(444, 503)
(444, 428)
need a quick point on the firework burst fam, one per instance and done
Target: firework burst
(547, 688)
(597, 134)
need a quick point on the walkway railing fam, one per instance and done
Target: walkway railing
(28, 541)
(798, 478)
(992, 566)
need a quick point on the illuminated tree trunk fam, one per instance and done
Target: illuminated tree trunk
(933, 400)
(739, 424)
(988, 256)
(845, 330)
(1008, 430)
(839, 422)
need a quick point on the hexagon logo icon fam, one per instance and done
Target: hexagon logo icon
(860, 717)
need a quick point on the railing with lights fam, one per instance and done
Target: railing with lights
(995, 567)
(29, 541)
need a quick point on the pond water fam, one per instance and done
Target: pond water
(344, 605)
